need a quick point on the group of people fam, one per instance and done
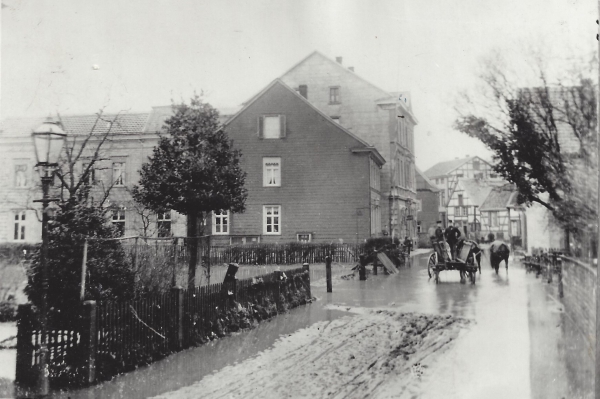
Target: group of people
(448, 237)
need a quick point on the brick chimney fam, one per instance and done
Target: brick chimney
(338, 59)
(303, 90)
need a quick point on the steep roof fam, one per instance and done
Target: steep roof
(78, 124)
(444, 168)
(500, 198)
(160, 113)
(386, 97)
(476, 190)
(363, 145)
(423, 182)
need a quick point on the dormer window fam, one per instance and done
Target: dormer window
(334, 95)
(271, 126)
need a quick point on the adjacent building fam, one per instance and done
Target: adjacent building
(502, 216)
(428, 196)
(383, 119)
(446, 175)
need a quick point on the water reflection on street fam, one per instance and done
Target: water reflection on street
(512, 305)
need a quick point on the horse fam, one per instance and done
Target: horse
(499, 252)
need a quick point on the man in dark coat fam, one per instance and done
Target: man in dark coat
(407, 245)
(452, 234)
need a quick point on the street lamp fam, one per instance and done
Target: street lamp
(48, 141)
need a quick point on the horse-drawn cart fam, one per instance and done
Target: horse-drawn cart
(465, 261)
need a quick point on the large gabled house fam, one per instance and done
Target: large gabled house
(446, 175)
(464, 205)
(383, 119)
(309, 178)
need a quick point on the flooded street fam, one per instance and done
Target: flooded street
(516, 347)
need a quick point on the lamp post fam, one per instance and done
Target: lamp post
(48, 141)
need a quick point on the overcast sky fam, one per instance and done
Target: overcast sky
(150, 51)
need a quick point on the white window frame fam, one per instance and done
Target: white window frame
(119, 219)
(270, 171)
(21, 177)
(19, 226)
(304, 234)
(118, 173)
(221, 216)
(272, 220)
(164, 218)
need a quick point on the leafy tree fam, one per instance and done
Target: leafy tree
(109, 274)
(193, 170)
(525, 128)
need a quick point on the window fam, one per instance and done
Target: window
(475, 165)
(119, 173)
(493, 219)
(336, 119)
(272, 219)
(460, 199)
(91, 177)
(271, 126)
(118, 220)
(163, 224)
(304, 237)
(19, 226)
(272, 172)
(515, 228)
(220, 222)
(442, 199)
(21, 179)
(334, 95)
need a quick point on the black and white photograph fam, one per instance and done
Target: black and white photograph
(299, 199)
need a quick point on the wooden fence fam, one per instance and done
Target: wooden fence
(90, 343)
(285, 254)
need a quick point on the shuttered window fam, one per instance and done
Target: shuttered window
(271, 126)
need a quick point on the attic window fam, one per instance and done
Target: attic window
(336, 119)
(271, 126)
(475, 165)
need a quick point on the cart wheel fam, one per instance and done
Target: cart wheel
(431, 264)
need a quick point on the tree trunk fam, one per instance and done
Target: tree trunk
(192, 232)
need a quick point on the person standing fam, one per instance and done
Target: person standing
(452, 234)
(407, 245)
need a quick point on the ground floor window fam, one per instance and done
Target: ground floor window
(272, 219)
(220, 222)
(118, 220)
(163, 224)
(19, 226)
(304, 237)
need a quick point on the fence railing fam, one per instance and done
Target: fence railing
(90, 343)
(285, 254)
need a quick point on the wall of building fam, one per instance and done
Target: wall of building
(359, 113)
(322, 182)
(579, 287)
(429, 215)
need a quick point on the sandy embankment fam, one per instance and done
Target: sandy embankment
(372, 353)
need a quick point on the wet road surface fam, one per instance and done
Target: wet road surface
(516, 349)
